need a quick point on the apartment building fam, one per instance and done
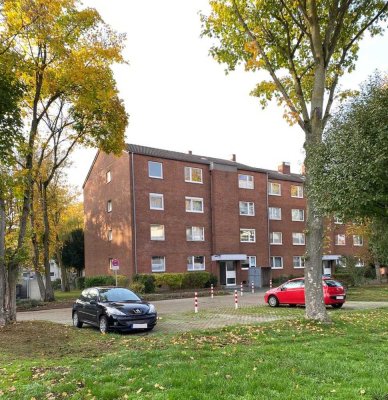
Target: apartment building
(157, 211)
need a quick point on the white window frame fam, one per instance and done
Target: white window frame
(250, 206)
(162, 265)
(338, 221)
(160, 196)
(109, 206)
(110, 235)
(247, 183)
(189, 176)
(191, 265)
(293, 216)
(299, 191)
(271, 238)
(271, 191)
(190, 236)
(301, 262)
(161, 170)
(270, 213)
(108, 177)
(272, 258)
(191, 200)
(250, 261)
(358, 240)
(158, 238)
(301, 241)
(337, 241)
(360, 263)
(250, 230)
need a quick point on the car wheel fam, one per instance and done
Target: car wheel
(76, 322)
(103, 324)
(337, 305)
(273, 301)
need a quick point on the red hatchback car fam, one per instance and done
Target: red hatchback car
(292, 292)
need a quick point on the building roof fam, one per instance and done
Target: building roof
(174, 155)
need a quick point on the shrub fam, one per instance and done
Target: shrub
(80, 282)
(56, 284)
(197, 279)
(137, 287)
(281, 279)
(213, 280)
(122, 281)
(173, 281)
(99, 280)
(147, 280)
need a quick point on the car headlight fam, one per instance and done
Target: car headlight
(152, 309)
(113, 311)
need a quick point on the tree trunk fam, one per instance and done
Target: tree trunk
(377, 269)
(3, 270)
(13, 272)
(65, 285)
(315, 307)
(49, 295)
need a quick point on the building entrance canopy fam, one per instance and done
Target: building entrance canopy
(330, 257)
(229, 257)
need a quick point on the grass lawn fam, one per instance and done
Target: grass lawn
(292, 359)
(368, 293)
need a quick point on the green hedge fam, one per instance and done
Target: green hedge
(187, 280)
(146, 280)
(99, 280)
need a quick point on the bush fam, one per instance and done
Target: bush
(147, 281)
(137, 287)
(349, 274)
(100, 280)
(172, 281)
(56, 284)
(195, 280)
(281, 279)
(122, 281)
(213, 280)
(80, 282)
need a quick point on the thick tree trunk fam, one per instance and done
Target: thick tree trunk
(13, 272)
(49, 295)
(377, 269)
(3, 270)
(315, 307)
(65, 284)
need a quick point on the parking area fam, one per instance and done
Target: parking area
(178, 315)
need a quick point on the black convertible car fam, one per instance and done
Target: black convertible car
(113, 308)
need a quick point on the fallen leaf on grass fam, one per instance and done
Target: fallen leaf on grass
(139, 391)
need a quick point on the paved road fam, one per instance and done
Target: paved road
(175, 315)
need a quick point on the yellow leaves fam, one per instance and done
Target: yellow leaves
(139, 391)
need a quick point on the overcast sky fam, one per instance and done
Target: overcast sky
(179, 98)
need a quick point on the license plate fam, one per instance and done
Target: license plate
(139, 326)
(340, 297)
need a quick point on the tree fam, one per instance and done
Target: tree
(73, 250)
(305, 46)
(65, 57)
(354, 159)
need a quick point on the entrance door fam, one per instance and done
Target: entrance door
(327, 268)
(230, 273)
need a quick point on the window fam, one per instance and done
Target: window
(275, 238)
(155, 169)
(274, 189)
(195, 263)
(297, 215)
(194, 204)
(298, 238)
(193, 175)
(275, 213)
(340, 240)
(297, 191)
(245, 181)
(109, 206)
(157, 232)
(298, 261)
(110, 235)
(247, 208)
(195, 234)
(360, 263)
(276, 262)
(358, 240)
(248, 235)
(338, 221)
(108, 177)
(156, 201)
(158, 264)
(250, 262)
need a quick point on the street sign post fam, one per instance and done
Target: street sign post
(115, 266)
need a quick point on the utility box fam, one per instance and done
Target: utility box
(254, 275)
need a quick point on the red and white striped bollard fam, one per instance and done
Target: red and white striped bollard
(195, 302)
(211, 290)
(241, 289)
(270, 283)
(253, 287)
(235, 300)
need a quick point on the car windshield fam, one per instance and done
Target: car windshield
(117, 294)
(331, 283)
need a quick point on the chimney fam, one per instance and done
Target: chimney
(284, 168)
(189, 152)
(233, 157)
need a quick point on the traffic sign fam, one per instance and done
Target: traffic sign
(115, 266)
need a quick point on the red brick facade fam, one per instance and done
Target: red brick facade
(229, 207)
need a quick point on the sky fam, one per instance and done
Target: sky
(178, 98)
